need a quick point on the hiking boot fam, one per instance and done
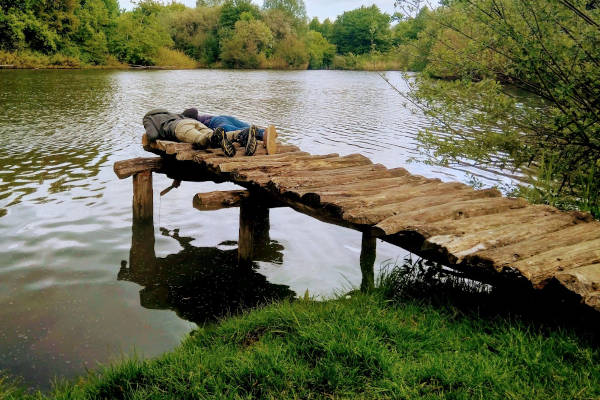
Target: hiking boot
(269, 140)
(219, 139)
(242, 137)
(251, 141)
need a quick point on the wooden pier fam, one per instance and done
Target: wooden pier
(488, 237)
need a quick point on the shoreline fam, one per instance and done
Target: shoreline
(384, 344)
(169, 68)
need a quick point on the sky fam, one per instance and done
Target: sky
(314, 8)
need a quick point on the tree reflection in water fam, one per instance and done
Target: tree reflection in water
(200, 284)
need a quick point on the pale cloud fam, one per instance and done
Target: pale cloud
(314, 8)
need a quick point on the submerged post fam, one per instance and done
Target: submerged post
(143, 201)
(367, 261)
(254, 228)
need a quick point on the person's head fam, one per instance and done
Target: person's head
(191, 113)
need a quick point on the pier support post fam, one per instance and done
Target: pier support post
(143, 201)
(254, 228)
(367, 261)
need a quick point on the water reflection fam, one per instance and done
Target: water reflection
(200, 284)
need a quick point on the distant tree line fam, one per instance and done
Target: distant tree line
(227, 33)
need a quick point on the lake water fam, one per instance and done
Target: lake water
(68, 299)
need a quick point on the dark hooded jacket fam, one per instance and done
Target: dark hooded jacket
(160, 124)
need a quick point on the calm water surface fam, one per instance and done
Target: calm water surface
(69, 295)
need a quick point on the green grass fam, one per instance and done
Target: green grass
(357, 346)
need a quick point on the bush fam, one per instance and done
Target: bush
(174, 58)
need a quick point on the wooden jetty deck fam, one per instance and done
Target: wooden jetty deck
(488, 237)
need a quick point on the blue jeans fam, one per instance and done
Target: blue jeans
(229, 124)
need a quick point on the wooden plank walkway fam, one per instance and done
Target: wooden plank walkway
(479, 232)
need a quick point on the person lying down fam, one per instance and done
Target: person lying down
(208, 131)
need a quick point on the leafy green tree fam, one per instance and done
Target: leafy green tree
(549, 48)
(362, 30)
(139, 35)
(280, 23)
(295, 8)
(194, 31)
(233, 9)
(209, 3)
(248, 45)
(293, 51)
(96, 23)
(320, 51)
(407, 30)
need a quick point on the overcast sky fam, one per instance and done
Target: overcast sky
(314, 8)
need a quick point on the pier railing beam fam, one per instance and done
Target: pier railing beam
(254, 228)
(143, 200)
(368, 252)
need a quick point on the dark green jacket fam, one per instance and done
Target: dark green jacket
(160, 124)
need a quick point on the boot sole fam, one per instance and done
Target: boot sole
(251, 143)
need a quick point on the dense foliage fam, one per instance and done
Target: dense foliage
(488, 51)
(228, 33)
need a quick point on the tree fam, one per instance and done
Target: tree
(325, 28)
(139, 35)
(209, 3)
(320, 51)
(549, 48)
(194, 31)
(295, 8)
(280, 23)
(362, 30)
(233, 9)
(247, 47)
(96, 24)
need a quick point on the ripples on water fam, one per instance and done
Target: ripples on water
(71, 295)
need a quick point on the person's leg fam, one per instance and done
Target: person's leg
(192, 131)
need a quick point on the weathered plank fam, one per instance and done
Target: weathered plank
(219, 199)
(425, 207)
(514, 230)
(127, 168)
(584, 281)
(507, 256)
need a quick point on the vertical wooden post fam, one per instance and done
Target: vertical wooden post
(254, 228)
(367, 261)
(143, 202)
(142, 257)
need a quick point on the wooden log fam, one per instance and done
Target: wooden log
(367, 261)
(514, 217)
(220, 199)
(405, 207)
(125, 169)
(507, 256)
(447, 210)
(515, 230)
(254, 229)
(540, 269)
(308, 165)
(170, 147)
(143, 202)
(369, 197)
(585, 281)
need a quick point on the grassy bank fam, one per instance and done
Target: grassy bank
(376, 345)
